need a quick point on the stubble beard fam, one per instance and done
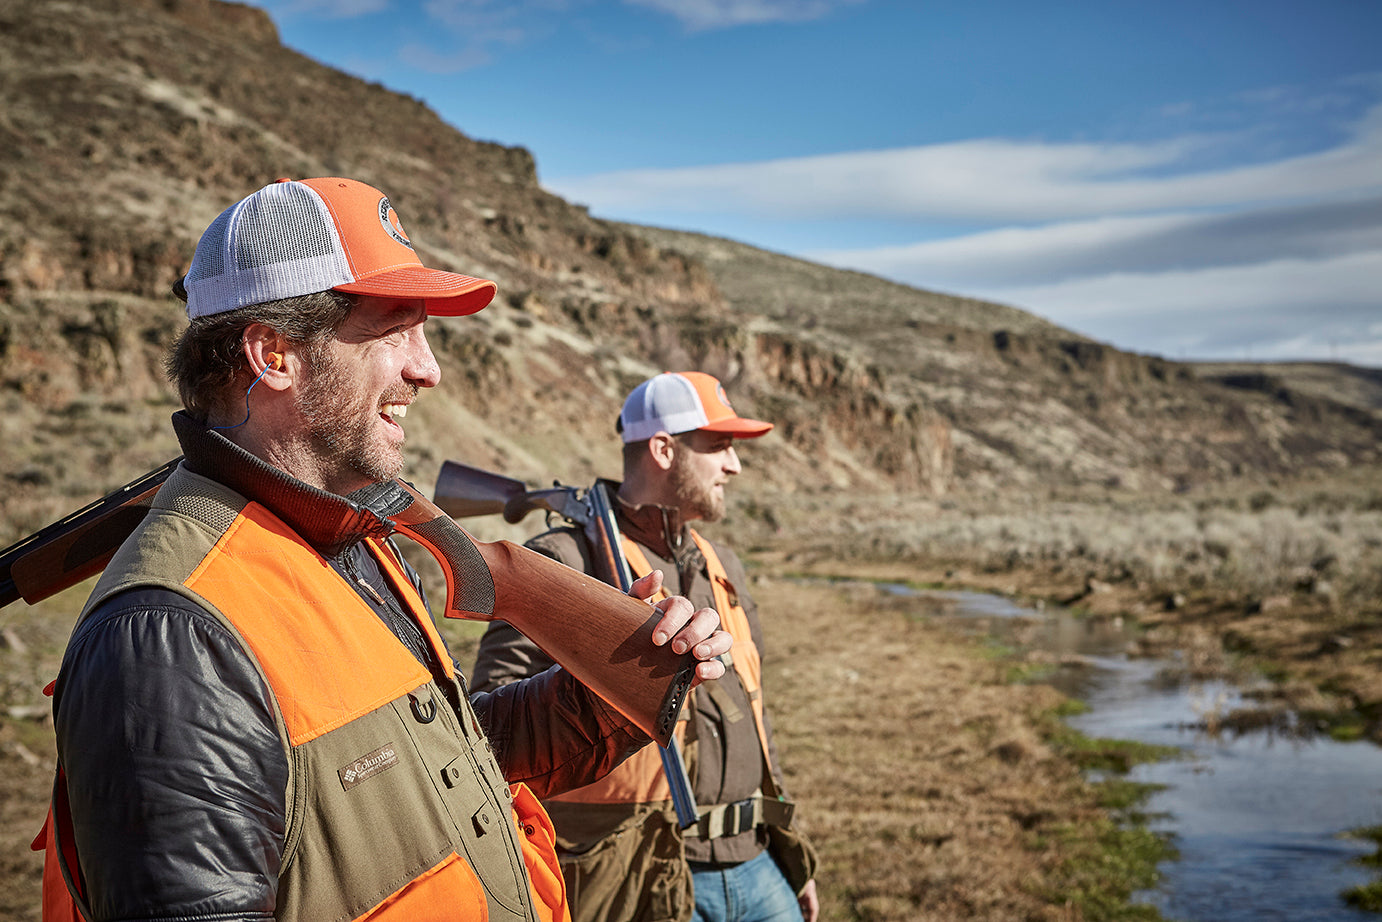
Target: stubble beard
(342, 424)
(695, 499)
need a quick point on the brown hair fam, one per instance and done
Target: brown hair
(207, 358)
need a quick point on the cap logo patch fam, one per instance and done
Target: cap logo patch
(723, 397)
(388, 219)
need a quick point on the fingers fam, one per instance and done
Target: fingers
(696, 631)
(708, 670)
(682, 627)
(810, 902)
(645, 587)
(676, 614)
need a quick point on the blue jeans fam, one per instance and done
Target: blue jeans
(754, 891)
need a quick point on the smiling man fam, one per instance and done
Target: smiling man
(623, 853)
(256, 717)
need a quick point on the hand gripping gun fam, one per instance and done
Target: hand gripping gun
(464, 491)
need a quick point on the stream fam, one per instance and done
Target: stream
(1257, 815)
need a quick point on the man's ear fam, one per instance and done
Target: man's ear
(662, 449)
(266, 351)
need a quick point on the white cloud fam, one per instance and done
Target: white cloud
(722, 14)
(484, 21)
(1140, 243)
(448, 62)
(1289, 308)
(988, 180)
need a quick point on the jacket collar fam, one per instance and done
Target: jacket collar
(658, 528)
(328, 522)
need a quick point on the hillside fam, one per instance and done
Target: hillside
(128, 125)
(1346, 384)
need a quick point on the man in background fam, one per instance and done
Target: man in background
(623, 853)
(256, 716)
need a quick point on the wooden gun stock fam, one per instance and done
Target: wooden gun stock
(79, 545)
(600, 635)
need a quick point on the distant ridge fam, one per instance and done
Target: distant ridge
(1351, 385)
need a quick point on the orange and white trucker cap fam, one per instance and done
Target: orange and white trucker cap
(298, 237)
(680, 401)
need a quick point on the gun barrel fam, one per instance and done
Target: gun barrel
(78, 545)
(463, 491)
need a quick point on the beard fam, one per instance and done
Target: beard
(343, 424)
(696, 498)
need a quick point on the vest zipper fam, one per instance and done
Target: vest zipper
(388, 610)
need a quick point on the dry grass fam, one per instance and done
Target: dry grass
(1323, 536)
(923, 777)
(1284, 579)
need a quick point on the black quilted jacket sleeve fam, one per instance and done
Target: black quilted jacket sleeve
(175, 773)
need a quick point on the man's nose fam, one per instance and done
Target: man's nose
(732, 461)
(422, 368)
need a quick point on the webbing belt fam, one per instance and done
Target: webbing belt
(725, 820)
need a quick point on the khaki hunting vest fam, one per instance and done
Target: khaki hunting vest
(386, 784)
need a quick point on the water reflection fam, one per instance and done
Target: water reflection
(1257, 815)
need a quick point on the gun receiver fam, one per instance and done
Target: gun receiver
(468, 491)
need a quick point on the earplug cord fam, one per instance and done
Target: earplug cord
(247, 398)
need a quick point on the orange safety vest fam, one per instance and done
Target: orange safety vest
(340, 684)
(640, 779)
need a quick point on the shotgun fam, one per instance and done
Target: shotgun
(464, 491)
(79, 545)
(615, 657)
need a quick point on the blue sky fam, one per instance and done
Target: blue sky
(1191, 179)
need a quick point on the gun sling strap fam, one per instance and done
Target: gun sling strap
(766, 806)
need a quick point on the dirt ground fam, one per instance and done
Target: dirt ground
(923, 777)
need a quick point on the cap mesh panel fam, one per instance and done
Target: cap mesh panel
(277, 243)
(280, 227)
(208, 261)
(667, 402)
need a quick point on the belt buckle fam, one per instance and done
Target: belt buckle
(743, 816)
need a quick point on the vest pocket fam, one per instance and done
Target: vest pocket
(478, 799)
(445, 893)
(380, 809)
(638, 872)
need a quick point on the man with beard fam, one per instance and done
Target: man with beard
(624, 855)
(256, 716)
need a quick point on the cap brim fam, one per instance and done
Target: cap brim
(739, 427)
(448, 294)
